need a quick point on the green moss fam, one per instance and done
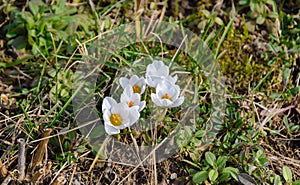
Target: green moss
(239, 62)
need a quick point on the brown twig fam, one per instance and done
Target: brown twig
(72, 175)
(21, 159)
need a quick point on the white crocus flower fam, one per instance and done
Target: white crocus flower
(132, 99)
(156, 72)
(117, 115)
(167, 95)
(107, 103)
(138, 84)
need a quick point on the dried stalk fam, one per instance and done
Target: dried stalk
(61, 180)
(6, 180)
(38, 175)
(40, 151)
(21, 159)
(3, 170)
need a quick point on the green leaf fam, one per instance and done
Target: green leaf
(260, 19)
(71, 28)
(64, 93)
(16, 62)
(275, 95)
(244, 2)
(35, 50)
(297, 182)
(200, 133)
(273, 15)
(286, 76)
(97, 132)
(19, 42)
(221, 162)
(206, 13)
(200, 177)
(210, 158)
(29, 20)
(286, 123)
(287, 174)
(232, 171)
(213, 175)
(253, 6)
(263, 160)
(277, 180)
(294, 91)
(33, 7)
(294, 128)
(12, 34)
(246, 179)
(263, 8)
(224, 177)
(219, 21)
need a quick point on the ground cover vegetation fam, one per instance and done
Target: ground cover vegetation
(255, 42)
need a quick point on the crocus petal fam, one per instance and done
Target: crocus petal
(178, 102)
(128, 90)
(166, 102)
(167, 87)
(142, 84)
(127, 93)
(120, 108)
(134, 115)
(123, 110)
(158, 69)
(133, 79)
(106, 115)
(124, 82)
(163, 71)
(162, 89)
(170, 79)
(150, 81)
(174, 91)
(111, 130)
(136, 98)
(142, 106)
(156, 100)
(128, 97)
(108, 102)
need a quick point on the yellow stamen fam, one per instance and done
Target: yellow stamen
(130, 104)
(116, 119)
(166, 96)
(136, 89)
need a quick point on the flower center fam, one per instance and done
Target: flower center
(116, 120)
(130, 104)
(166, 96)
(136, 89)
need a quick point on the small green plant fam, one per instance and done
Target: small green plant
(47, 29)
(260, 9)
(209, 18)
(215, 170)
(63, 84)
